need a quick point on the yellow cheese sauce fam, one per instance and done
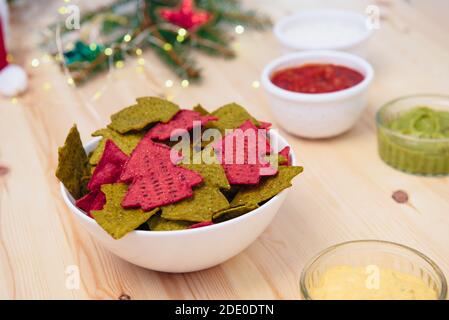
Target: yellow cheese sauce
(370, 283)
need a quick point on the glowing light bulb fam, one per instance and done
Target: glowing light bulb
(63, 10)
(239, 29)
(47, 86)
(97, 95)
(255, 84)
(35, 63)
(167, 47)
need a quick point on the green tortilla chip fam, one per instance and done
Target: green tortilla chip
(148, 110)
(206, 200)
(73, 167)
(230, 116)
(199, 108)
(213, 174)
(282, 159)
(116, 220)
(207, 155)
(232, 213)
(85, 180)
(126, 142)
(198, 208)
(267, 188)
(156, 223)
(275, 159)
(188, 150)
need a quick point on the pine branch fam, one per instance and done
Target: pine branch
(248, 18)
(140, 22)
(230, 11)
(211, 47)
(174, 56)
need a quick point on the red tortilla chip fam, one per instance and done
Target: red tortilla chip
(145, 152)
(248, 125)
(201, 224)
(262, 144)
(107, 171)
(92, 201)
(286, 154)
(183, 121)
(266, 170)
(109, 168)
(249, 167)
(159, 187)
(191, 177)
(242, 173)
(155, 179)
(264, 125)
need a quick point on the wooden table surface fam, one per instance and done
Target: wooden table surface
(344, 194)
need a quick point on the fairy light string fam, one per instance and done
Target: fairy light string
(171, 28)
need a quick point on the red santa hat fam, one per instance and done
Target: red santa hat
(13, 79)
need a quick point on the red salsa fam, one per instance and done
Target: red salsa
(317, 78)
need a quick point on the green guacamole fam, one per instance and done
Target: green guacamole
(426, 151)
(422, 122)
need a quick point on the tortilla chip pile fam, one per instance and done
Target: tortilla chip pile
(135, 179)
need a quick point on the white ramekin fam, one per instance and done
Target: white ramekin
(356, 45)
(320, 115)
(185, 250)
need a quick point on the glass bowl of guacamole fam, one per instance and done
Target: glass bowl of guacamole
(413, 134)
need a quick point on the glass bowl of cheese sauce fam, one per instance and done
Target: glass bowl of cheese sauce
(372, 270)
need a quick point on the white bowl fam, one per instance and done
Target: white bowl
(320, 115)
(185, 250)
(324, 30)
